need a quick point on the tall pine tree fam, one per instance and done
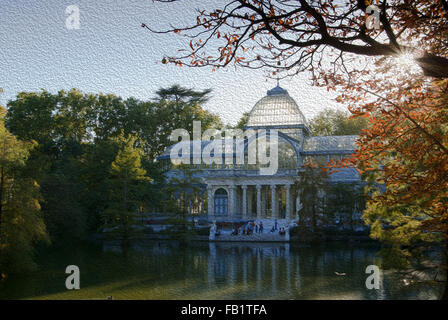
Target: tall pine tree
(127, 179)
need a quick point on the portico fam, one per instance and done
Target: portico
(251, 198)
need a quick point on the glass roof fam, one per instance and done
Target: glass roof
(277, 108)
(330, 143)
(286, 148)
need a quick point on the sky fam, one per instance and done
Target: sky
(112, 53)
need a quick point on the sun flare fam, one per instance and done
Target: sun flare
(406, 60)
(407, 63)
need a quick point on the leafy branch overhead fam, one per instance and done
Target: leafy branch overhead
(294, 36)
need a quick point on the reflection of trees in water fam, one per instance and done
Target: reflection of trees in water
(280, 270)
(222, 271)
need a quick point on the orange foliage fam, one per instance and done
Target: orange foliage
(305, 35)
(406, 146)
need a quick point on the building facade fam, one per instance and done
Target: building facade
(233, 190)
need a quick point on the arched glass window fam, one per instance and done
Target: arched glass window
(287, 157)
(221, 202)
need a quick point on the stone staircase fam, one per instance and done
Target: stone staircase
(269, 223)
(263, 237)
(266, 236)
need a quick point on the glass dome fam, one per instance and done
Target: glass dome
(277, 108)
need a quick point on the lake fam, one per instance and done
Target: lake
(165, 270)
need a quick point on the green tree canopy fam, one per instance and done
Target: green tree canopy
(21, 223)
(179, 94)
(76, 136)
(312, 186)
(243, 121)
(331, 122)
(126, 179)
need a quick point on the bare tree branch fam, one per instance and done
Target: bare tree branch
(282, 34)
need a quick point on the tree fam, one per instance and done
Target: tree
(181, 192)
(59, 123)
(31, 117)
(127, 176)
(21, 223)
(94, 174)
(75, 148)
(176, 108)
(403, 155)
(345, 201)
(179, 94)
(64, 216)
(314, 35)
(336, 123)
(312, 188)
(243, 121)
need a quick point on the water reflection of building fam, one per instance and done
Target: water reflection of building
(258, 271)
(278, 271)
(231, 192)
(241, 263)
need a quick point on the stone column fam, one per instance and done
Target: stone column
(274, 202)
(264, 201)
(288, 201)
(258, 201)
(277, 203)
(232, 206)
(210, 201)
(244, 187)
(249, 203)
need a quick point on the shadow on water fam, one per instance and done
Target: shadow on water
(165, 270)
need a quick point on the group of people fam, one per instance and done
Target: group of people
(274, 228)
(253, 227)
(249, 228)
